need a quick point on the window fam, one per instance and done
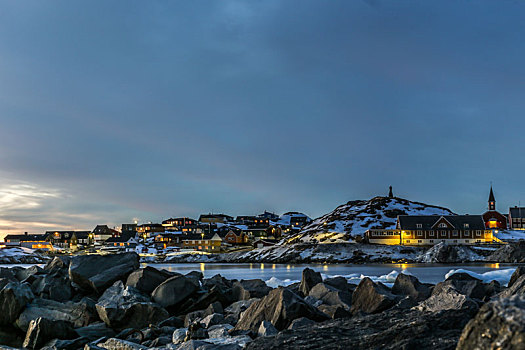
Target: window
(478, 233)
(442, 225)
(431, 241)
(408, 241)
(431, 233)
(455, 241)
(420, 233)
(465, 225)
(419, 225)
(478, 241)
(466, 241)
(419, 241)
(455, 233)
(467, 233)
(443, 233)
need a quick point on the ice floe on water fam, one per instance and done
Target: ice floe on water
(275, 282)
(502, 276)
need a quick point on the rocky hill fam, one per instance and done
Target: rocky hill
(355, 217)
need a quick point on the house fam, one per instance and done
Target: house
(269, 215)
(233, 235)
(432, 229)
(297, 220)
(146, 230)
(28, 241)
(215, 218)
(69, 239)
(102, 232)
(202, 242)
(126, 243)
(128, 229)
(179, 222)
(167, 239)
(245, 219)
(261, 243)
(492, 218)
(517, 218)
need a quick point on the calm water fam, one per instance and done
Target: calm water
(431, 273)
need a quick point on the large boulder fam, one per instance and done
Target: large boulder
(147, 279)
(516, 288)
(42, 329)
(448, 298)
(309, 279)
(520, 271)
(58, 263)
(465, 284)
(95, 331)
(499, 324)
(330, 295)
(281, 306)
(370, 297)
(449, 253)
(125, 307)
(55, 286)
(247, 289)
(174, 290)
(13, 299)
(79, 314)
(119, 344)
(509, 253)
(409, 285)
(98, 272)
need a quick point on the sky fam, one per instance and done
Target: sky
(115, 111)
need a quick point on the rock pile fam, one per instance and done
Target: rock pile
(108, 302)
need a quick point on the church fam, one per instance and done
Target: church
(492, 218)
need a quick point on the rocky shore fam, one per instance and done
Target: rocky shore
(108, 302)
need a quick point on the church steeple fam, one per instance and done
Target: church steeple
(492, 200)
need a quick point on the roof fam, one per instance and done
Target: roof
(121, 239)
(25, 238)
(410, 222)
(517, 212)
(196, 236)
(491, 195)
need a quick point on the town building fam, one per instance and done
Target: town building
(517, 218)
(433, 229)
(215, 218)
(492, 218)
(146, 230)
(28, 241)
(127, 243)
(202, 242)
(102, 232)
(235, 236)
(167, 239)
(69, 239)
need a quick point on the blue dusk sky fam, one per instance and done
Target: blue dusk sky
(112, 111)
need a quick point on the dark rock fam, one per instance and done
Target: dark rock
(11, 336)
(309, 280)
(509, 253)
(193, 317)
(179, 335)
(42, 330)
(448, 253)
(517, 288)
(8, 273)
(174, 291)
(266, 329)
(340, 283)
(79, 314)
(409, 285)
(98, 272)
(24, 274)
(520, 271)
(371, 297)
(203, 301)
(331, 296)
(54, 286)
(499, 324)
(196, 331)
(160, 342)
(57, 264)
(393, 329)
(13, 299)
(464, 284)
(334, 311)
(147, 279)
(119, 344)
(61, 344)
(238, 307)
(95, 330)
(300, 323)
(196, 276)
(173, 321)
(212, 320)
(219, 330)
(125, 307)
(448, 298)
(215, 308)
(247, 289)
(280, 307)
(218, 281)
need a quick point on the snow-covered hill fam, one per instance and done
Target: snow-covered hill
(355, 217)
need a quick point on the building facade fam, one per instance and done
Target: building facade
(517, 218)
(433, 229)
(492, 218)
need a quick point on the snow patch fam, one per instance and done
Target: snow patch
(502, 276)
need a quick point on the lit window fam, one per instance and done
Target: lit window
(419, 225)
